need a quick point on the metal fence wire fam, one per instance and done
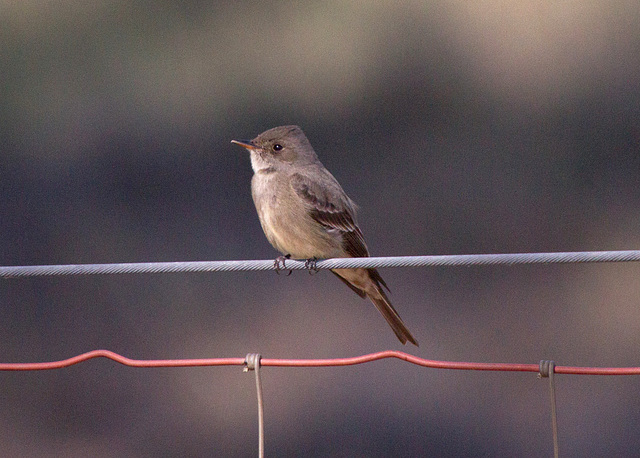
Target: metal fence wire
(253, 361)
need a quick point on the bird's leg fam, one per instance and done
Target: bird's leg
(311, 265)
(279, 264)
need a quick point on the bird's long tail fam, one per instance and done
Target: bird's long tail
(373, 290)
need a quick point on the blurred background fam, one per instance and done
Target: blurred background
(458, 127)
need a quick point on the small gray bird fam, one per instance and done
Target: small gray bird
(305, 213)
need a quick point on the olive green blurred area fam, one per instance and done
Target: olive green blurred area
(458, 127)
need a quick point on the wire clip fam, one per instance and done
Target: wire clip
(251, 362)
(546, 368)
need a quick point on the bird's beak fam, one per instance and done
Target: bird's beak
(245, 144)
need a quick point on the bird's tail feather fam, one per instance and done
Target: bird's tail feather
(371, 287)
(382, 303)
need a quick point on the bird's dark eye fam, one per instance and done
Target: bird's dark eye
(277, 147)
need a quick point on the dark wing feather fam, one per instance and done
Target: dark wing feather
(333, 209)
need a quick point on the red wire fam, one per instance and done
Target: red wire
(316, 363)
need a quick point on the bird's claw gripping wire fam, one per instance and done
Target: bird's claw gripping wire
(311, 265)
(279, 264)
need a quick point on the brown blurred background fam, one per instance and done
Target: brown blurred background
(458, 127)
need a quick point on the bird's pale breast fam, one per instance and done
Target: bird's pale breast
(286, 221)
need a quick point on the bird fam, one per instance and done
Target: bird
(305, 213)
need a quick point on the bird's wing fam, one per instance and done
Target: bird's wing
(331, 207)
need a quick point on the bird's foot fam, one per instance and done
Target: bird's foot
(279, 264)
(311, 265)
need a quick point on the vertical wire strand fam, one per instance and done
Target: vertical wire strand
(261, 412)
(554, 414)
(547, 370)
(252, 362)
